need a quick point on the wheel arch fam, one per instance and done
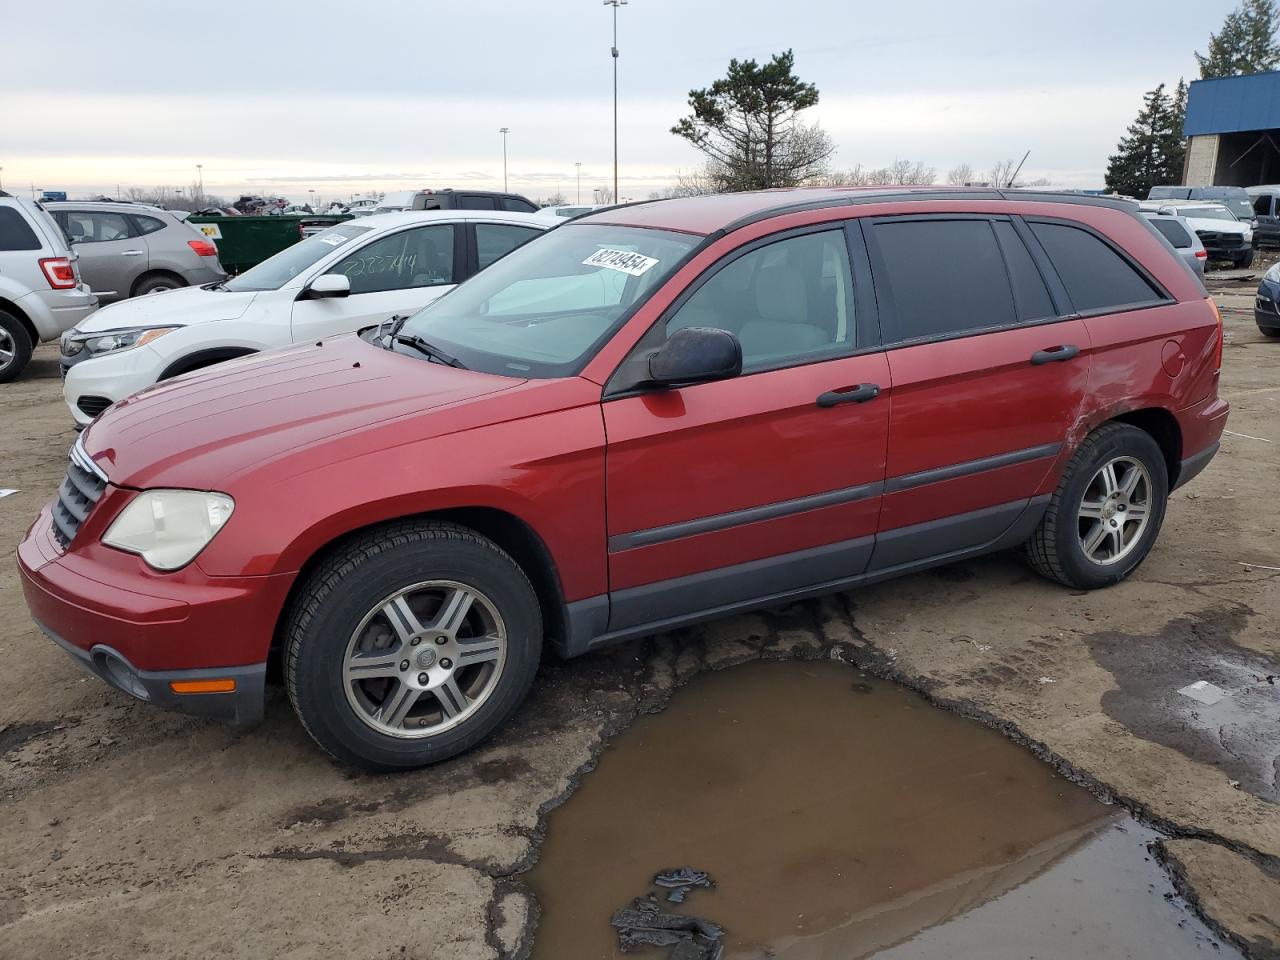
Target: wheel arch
(202, 358)
(1163, 428)
(510, 532)
(8, 306)
(153, 274)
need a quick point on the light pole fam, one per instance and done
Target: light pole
(576, 163)
(614, 50)
(200, 182)
(313, 200)
(504, 131)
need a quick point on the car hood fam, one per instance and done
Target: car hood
(1218, 226)
(177, 308)
(210, 428)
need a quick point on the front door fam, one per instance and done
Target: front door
(398, 273)
(989, 376)
(759, 486)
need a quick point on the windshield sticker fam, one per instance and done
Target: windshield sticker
(333, 239)
(624, 261)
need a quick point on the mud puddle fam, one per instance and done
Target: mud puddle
(839, 816)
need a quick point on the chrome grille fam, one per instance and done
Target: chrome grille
(81, 488)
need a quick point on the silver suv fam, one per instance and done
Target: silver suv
(131, 249)
(41, 293)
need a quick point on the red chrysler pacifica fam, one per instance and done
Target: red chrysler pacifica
(649, 416)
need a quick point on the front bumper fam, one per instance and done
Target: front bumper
(140, 630)
(242, 706)
(1266, 305)
(89, 381)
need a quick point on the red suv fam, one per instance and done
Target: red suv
(650, 416)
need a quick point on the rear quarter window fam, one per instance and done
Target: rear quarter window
(1173, 232)
(15, 232)
(1096, 276)
(147, 224)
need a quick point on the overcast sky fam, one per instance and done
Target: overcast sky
(283, 96)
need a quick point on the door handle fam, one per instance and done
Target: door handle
(859, 394)
(1064, 351)
(131, 253)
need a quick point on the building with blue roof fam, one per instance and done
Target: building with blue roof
(1233, 126)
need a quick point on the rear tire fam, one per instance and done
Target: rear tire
(15, 347)
(158, 284)
(380, 671)
(1094, 533)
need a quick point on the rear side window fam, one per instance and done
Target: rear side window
(1262, 205)
(494, 240)
(947, 277)
(15, 232)
(516, 205)
(1030, 295)
(1096, 277)
(471, 201)
(147, 224)
(1173, 232)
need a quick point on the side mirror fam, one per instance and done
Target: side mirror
(329, 285)
(696, 355)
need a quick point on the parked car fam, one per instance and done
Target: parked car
(1182, 237)
(130, 250)
(449, 199)
(644, 418)
(350, 275)
(1224, 236)
(572, 209)
(1266, 214)
(41, 291)
(1235, 199)
(1266, 304)
(362, 208)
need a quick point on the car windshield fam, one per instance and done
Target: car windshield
(1242, 208)
(274, 272)
(1207, 213)
(540, 310)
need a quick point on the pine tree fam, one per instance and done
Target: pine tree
(1245, 44)
(1151, 151)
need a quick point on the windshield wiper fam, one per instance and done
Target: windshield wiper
(435, 353)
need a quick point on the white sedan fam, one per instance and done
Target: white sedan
(351, 275)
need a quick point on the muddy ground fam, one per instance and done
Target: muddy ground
(127, 831)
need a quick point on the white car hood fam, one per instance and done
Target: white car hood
(176, 308)
(1219, 226)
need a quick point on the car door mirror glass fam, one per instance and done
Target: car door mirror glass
(696, 355)
(329, 285)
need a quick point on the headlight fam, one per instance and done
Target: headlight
(1273, 273)
(167, 528)
(114, 340)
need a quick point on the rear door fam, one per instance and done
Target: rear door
(112, 255)
(719, 493)
(989, 373)
(397, 273)
(1264, 211)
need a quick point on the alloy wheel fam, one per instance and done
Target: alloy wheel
(1115, 510)
(424, 659)
(8, 349)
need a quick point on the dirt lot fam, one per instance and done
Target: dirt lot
(132, 832)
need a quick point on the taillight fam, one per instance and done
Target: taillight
(1217, 350)
(57, 270)
(1202, 254)
(203, 248)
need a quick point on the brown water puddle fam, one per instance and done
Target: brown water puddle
(840, 816)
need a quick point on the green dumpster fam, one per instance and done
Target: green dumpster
(244, 242)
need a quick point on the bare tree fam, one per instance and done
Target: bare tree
(692, 183)
(960, 175)
(557, 199)
(1002, 171)
(603, 194)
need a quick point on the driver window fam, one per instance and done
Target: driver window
(422, 257)
(788, 302)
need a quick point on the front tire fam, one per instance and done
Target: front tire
(1273, 332)
(15, 347)
(1245, 259)
(411, 644)
(1107, 511)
